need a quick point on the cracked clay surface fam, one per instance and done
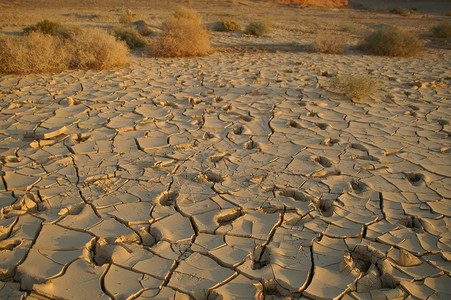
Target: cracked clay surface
(236, 175)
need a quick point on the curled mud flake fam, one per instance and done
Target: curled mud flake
(442, 122)
(194, 101)
(413, 107)
(358, 147)
(301, 103)
(411, 222)
(330, 142)
(227, 107)
(250, 145)
(325, 207)
(211, 176)
(228, 216)
(271, 290)
(365, 157)
(208, 136)
(218, 157)
(322, 126)
(238, 130)
(312, 114)
(296, 195)
(8, 245)
(81, 137)
(246, 118)
(167, 198)
(260, 257)
(358, 187)
(415, 178)
(293, 124)
(322, 161)
(218, 99)
(169, 104)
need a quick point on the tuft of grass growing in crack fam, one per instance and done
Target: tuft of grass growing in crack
(354, 86)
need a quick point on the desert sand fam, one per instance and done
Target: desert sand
(238, 175)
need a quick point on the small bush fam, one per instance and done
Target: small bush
(130, 36)
(442, 30)
(355, 87)
(348, 28)
(34, 53)
(329, 44)
(96, 49)
(181, 12)
(44, 26)
(182, 37)
(392, 42)
(145, 31)
(448, 13)
(39, 53)
(125, 19)
(228, 25)
(399, 11)
(258, 28)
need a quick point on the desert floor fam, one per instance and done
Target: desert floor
(238, 174)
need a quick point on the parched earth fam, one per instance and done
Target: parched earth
(239, 175)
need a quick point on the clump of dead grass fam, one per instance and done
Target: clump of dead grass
(34, 53)
(442, 30)
(130, 36)
(45, 26)
(258, 28)
(329, 44)
(228, 25)
(354, 86)
(390, 41)
(182, 35)
(41, 53)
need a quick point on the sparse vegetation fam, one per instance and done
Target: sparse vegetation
(182, 12)
(44, 26)
(39, 53)
(228, 25)
(182, 35)
(354, 86)
(391, 41)
(130, 36)
(126, 18)
(258, 28)
(329, 44)
(442, 30)
(448, 13)
(348, 28)
(399, 11)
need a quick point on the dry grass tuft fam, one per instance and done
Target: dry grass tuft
(130, 36)
(228, 25)
(34, 53)
(40, 53)
(329, 44)
(182, 12)
(390, 41)
(182, 35)
(442, 30)
(354, 86)
(258, 28)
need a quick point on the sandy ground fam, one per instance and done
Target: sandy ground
(238, 175)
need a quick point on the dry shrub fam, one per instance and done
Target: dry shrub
(96, 49)
(329, 44)
(258, 28)
(130, 36)
(44, 26)
(39, 53)
(181, 12)
(355, 87)
(145, 31)
(125, 19)
(390, 41)
(182, 36)
(399, 11)
(228, 25)
(448, 13)
(34, 53)
(442, 30)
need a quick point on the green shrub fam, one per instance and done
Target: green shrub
(258, 28)
(130, 36)
(44, 26)
(329, 44)
(228, 25)
(182, 35)
(354, 86)
(390, 41)
(442, 30)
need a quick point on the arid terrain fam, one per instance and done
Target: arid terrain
(241, 174)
